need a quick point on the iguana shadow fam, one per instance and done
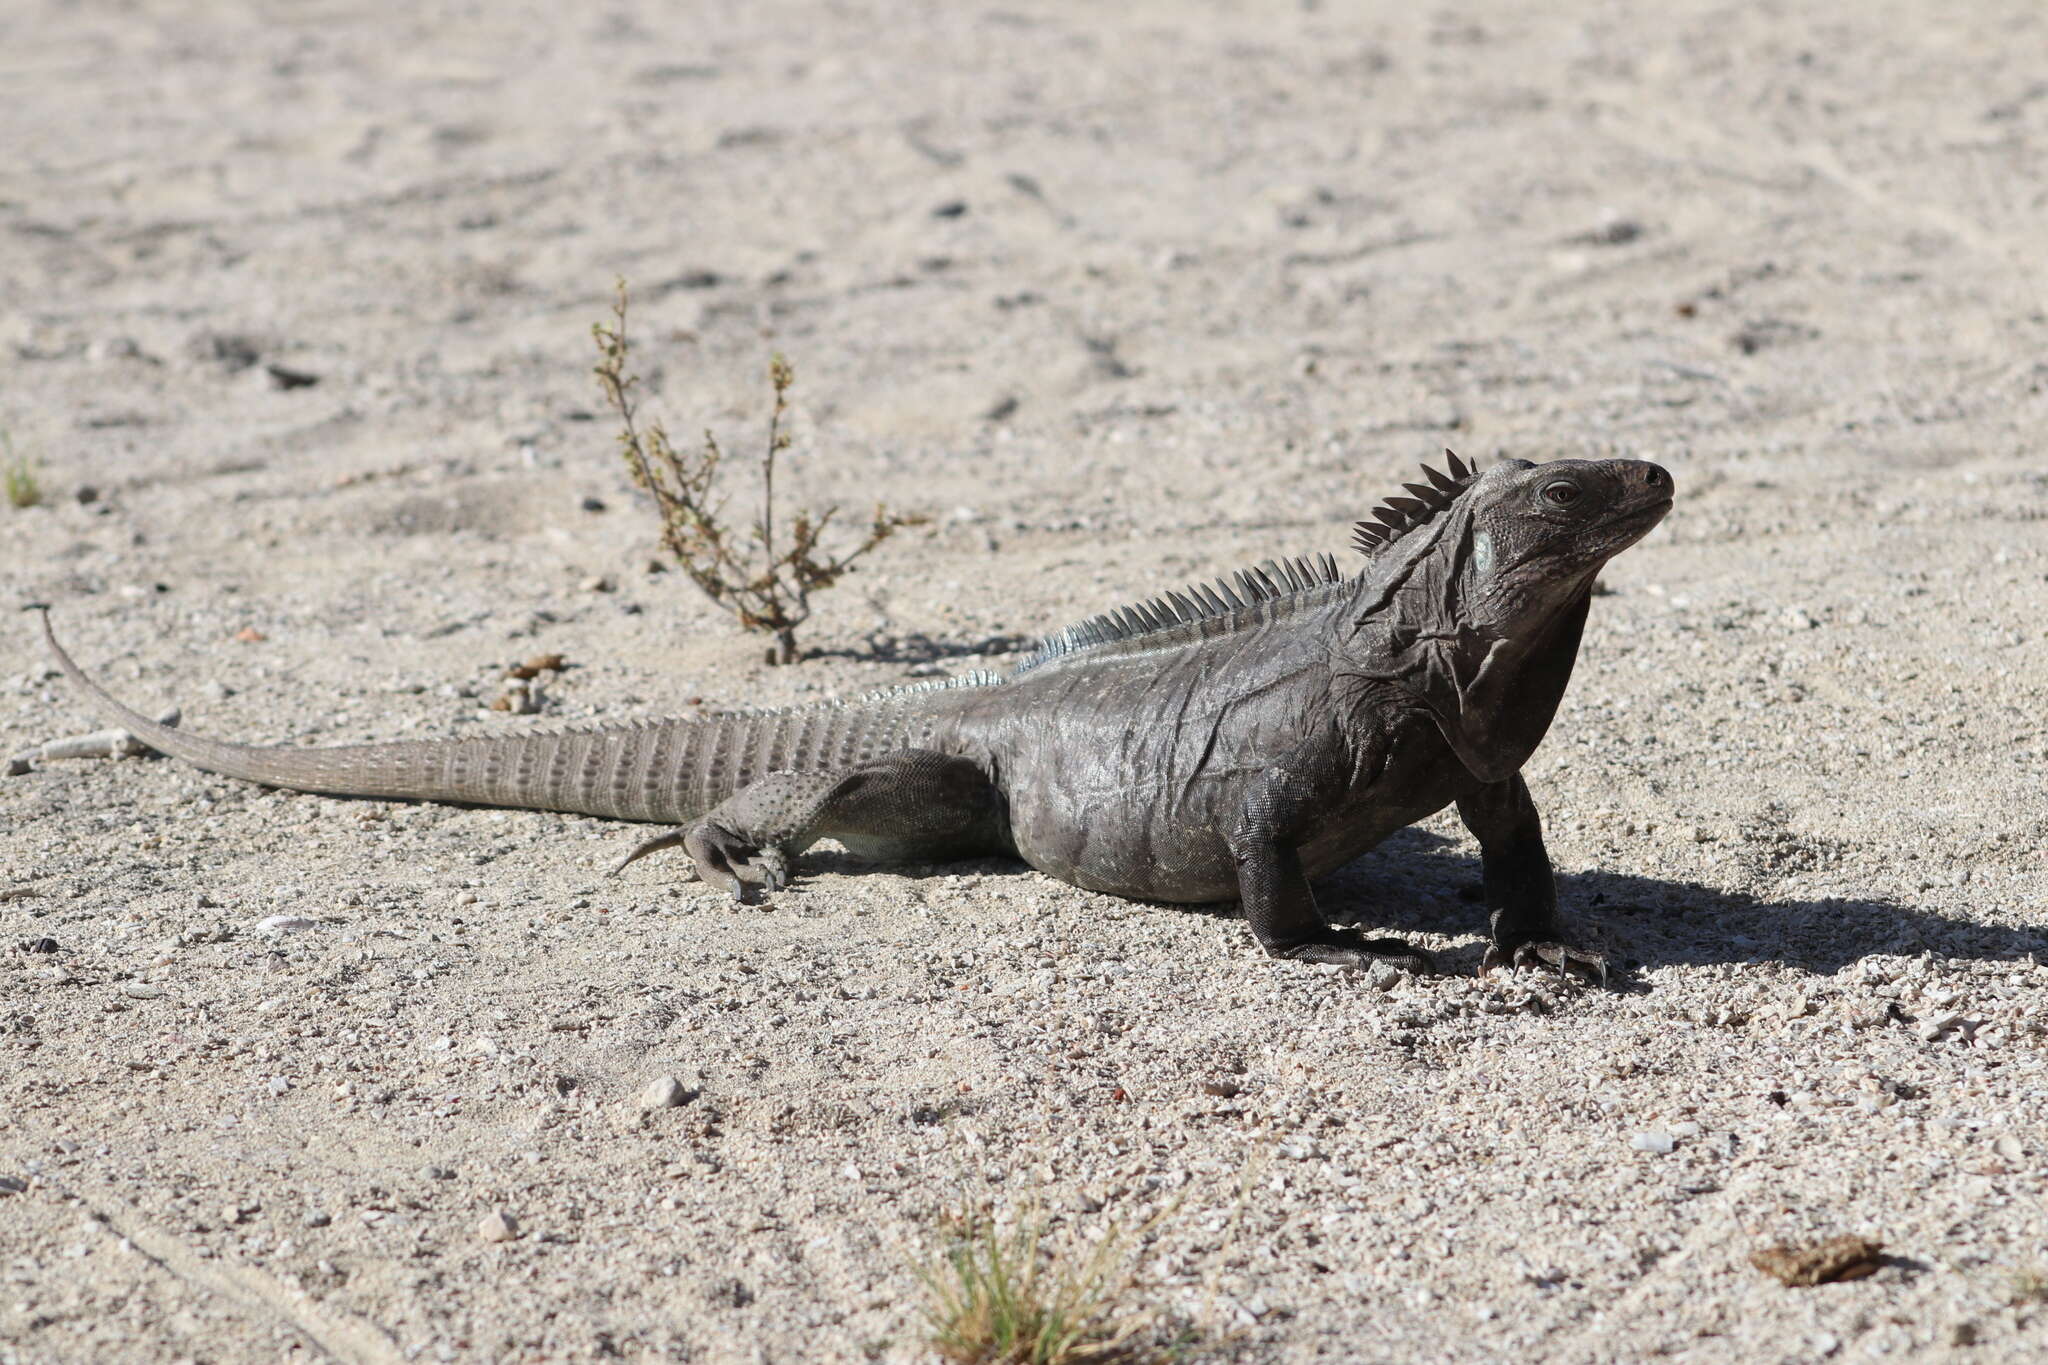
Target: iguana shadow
(1420, 882)
(915, 647)
(1413, 883)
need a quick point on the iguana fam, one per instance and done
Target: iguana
(1230, 741)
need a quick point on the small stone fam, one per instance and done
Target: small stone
(1654, 1140)
(497, 1226)
(519, 698)
(1803, 1265)
(249, 635)
(318, 1220)
(592, 504)
(664, 1092)
(278, 925)
(599, 583)
(1933, 1030)
(1383, 975)
(1222, 1090)
(135, 990)
(729, 1294)
(537, 665)
(436, 1173)
(13, 1184)
(286, 378)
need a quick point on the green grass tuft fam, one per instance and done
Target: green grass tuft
(1006, 1298)
(19, 477)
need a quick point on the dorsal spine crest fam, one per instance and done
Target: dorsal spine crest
(1397, 516)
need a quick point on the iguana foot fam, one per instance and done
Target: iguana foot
(735, 864)
(1548, 952)
(1358, 954)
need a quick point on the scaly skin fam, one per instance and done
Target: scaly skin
(1229, 743)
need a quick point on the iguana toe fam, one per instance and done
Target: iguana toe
(1359, 954)
(769, 867)
(727, 861)
(1546, 952)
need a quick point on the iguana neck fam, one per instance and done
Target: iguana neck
(1493, 687)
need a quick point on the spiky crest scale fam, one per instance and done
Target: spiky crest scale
(1264, 582)
(1398, 515)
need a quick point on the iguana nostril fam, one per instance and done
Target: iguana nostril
(1655, 477)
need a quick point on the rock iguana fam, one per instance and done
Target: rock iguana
(1230, 741)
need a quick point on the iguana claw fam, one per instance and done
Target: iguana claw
(729, 861)
(1546, 952)
(1361, 954)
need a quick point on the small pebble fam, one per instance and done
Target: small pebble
(1933, 1029)
(1804, 1265)
(1654, 1140)
(285, 924)
(318, 1220)
(663, 1092)
(497, 1226)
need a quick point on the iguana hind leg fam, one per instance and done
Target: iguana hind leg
(1521, 890)
(907, 806)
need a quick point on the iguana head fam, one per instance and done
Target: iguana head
(1538, 534)
(1481, 591)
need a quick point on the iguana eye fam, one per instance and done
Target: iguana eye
(1561, 494)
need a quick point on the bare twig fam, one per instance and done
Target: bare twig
(765, 584)
(98, 744)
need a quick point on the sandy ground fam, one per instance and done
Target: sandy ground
(1122, 296)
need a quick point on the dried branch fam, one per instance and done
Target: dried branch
(765, 584)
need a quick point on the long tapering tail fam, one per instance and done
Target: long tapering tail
(668, 770)
(419, 771)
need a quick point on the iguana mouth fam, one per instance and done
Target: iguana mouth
(1646, 516)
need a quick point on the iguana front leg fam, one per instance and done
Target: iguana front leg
(1278, 903)
(1521, 890)
(908, 806)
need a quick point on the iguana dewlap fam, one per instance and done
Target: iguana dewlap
(1230, 741)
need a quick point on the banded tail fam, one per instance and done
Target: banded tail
(660, 770)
